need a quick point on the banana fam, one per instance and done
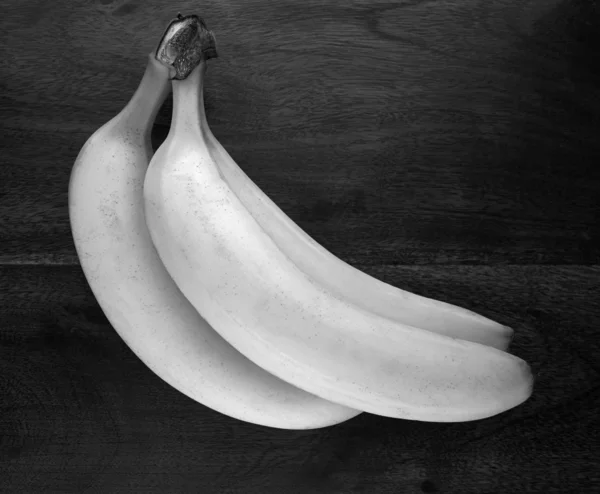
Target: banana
(265, 305)
(344, 279)
(136, 293)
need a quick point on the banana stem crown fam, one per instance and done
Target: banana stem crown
(185, 43)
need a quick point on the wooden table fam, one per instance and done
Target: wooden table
(447, 147)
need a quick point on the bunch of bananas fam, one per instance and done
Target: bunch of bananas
(225, 298)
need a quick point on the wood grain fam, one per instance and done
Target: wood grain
(417, 132)
(81, 413)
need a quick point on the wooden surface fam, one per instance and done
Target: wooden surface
(447, 147)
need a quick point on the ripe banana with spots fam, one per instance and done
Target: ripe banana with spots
(266, 287)
(132, 286)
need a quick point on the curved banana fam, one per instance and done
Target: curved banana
(344, 279)
(253, 294)
(139, 297)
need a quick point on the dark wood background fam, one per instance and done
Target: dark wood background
(447, 147)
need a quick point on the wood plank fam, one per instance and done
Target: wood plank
(80, 413)
(398, 133)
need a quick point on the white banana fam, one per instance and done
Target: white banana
(137, 294)
(344, 279)
(250, 290)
